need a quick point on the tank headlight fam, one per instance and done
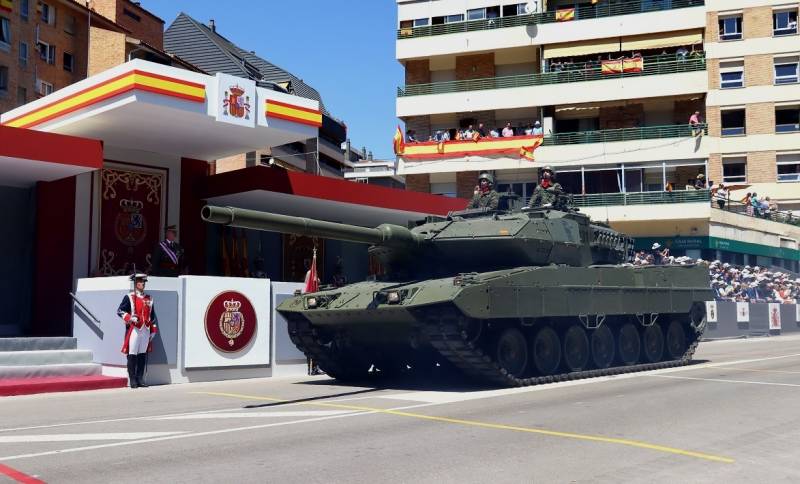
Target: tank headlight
(393, 297)
(311, 302)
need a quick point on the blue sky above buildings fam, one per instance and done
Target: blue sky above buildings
(344, 49)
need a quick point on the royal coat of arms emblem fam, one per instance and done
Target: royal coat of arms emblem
(231, 322)
(235, 103)
(130, 225)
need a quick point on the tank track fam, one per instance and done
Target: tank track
(306, 338)
(450, 341)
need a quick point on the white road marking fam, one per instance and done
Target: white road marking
(307, 413)
(17, 439)
(198, 434)
(729, 381)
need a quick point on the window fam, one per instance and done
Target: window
(131, 14)
(512, 10)
(731, 74)
(733, 122)
(5, 34)
(786, 70)
(69, 26)
(787, 119)
(730, 27)
(454, 18)
(24, 8)
(420, 22)
(48, 13)
(23, 54)
(789, 167)
(22, 95)
(44, 87)
(444, 189)
(3, 79)
(476, 14)
(734, 169)
(784, 22)
(69, 62)
(47, 52)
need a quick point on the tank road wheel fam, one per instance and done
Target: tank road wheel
(546, 348)
(629, 346)
(512, 352)
(602, 347)
(653, 343)
(676, 340)
(576, 348)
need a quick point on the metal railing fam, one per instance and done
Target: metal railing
(601, 10)
(622, 134)
(652, 65)
(641, 198)
(747, 209)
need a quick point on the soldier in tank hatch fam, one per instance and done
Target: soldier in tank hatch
(547, 190)
(485, 195)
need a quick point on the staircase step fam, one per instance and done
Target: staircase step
(34, 344)
(28, 386)
(44, 357)
(38, 371)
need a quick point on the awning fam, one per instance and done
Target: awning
(335, 200)
(28, 156)
(616, 44)
(584, 47)
(660, 41)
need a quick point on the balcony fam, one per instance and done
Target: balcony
(641, 198)
(653, 65)
(623, 134)
(581, 13)
(654, 78)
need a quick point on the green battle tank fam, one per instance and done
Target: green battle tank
(510, 297)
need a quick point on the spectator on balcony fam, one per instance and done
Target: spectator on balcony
(481, 131)
(411, 136)
(721, 196)
(508, 131)
(755, 204)
(495, 133)
(468, 133)
(537, 129)
(695, 123)
(700, 182)
(681, 53)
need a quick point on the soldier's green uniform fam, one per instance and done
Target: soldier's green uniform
(547, 190)
(488, 199)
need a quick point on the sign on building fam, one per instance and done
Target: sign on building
(742, 312)
(711, 311)
(774, 316)
(236, 100)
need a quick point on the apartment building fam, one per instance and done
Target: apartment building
(612, 84)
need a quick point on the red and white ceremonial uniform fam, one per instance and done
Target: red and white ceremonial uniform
(140, 319)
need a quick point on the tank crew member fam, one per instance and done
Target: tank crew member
(168, 256)
(485, 195)
(548, 189)
(141, 326)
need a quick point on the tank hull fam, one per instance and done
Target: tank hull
(519, 326)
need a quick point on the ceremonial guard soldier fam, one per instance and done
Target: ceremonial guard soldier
(168, 256)
(141, 326)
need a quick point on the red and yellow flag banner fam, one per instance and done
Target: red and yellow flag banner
(611, 66)
(398, 142)
(522, 146)
(634, 64)
(6, 5)
(565, 14)
(291, 112)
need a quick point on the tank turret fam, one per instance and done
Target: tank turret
(467, 241)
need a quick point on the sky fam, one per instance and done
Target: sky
(345, 49)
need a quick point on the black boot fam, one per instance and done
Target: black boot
(141, 361)
(134, 383)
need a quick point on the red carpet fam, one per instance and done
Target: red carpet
(28, 386)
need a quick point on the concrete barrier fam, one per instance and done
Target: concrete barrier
(728, 319)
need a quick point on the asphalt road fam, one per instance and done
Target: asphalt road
(731, 417)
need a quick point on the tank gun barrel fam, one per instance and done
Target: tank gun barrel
(385, 234)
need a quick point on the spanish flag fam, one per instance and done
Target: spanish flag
(565, 14)
(6, 5)
(633, 64)
(399, 144)
(611, 66)
(527, 151)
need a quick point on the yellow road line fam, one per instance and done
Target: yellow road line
(474, 423)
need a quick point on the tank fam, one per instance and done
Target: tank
(510, 297)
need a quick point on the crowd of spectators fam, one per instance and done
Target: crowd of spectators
(733, 283)
(583, 63)
(475, 133)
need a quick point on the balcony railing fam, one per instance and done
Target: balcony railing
(652, 65)
(581, 13)
(641, 198)
(622, 134)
